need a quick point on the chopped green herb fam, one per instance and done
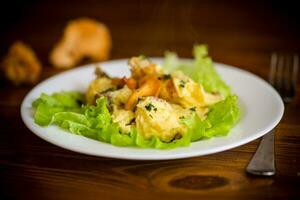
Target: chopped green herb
(151, 116)
(150, 106)
(193, 109)
(167, 76)
(182, 83)
(181, 117)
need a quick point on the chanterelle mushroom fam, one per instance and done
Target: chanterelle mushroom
(21, 65)
(82, 38)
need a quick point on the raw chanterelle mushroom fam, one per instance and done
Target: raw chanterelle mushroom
(82, 38)
(21, 65)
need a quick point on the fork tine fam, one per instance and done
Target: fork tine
(292, 79)
(295, 70)
(283, 74)
(272, 72)
(287, 90)
(279, 76)
(286, 76)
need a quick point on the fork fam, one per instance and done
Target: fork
(283, 77)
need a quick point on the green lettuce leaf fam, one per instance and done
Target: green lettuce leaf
(201, 70)
(47, 105)
(221, 118)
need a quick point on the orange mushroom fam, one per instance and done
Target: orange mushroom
(151, 87)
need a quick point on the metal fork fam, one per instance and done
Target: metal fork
(283, 77)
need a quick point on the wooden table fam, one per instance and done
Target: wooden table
(242, 34)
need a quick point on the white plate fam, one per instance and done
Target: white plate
(261, 106)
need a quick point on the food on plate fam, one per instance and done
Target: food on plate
(157, 106)
(20, 65)
(82, 38)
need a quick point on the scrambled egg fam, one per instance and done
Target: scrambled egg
(124, 118)
(120, 97)
(156, 117)
(121, 116)
(190, 93)
(187, 112)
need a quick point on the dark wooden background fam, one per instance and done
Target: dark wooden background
(240, 33)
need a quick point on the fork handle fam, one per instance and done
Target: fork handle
(263, 161)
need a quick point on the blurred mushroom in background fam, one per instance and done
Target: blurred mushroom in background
(20, 65)
(82, 38)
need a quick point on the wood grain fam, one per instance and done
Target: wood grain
(238, 33)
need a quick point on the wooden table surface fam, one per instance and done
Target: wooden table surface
(239, 33)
